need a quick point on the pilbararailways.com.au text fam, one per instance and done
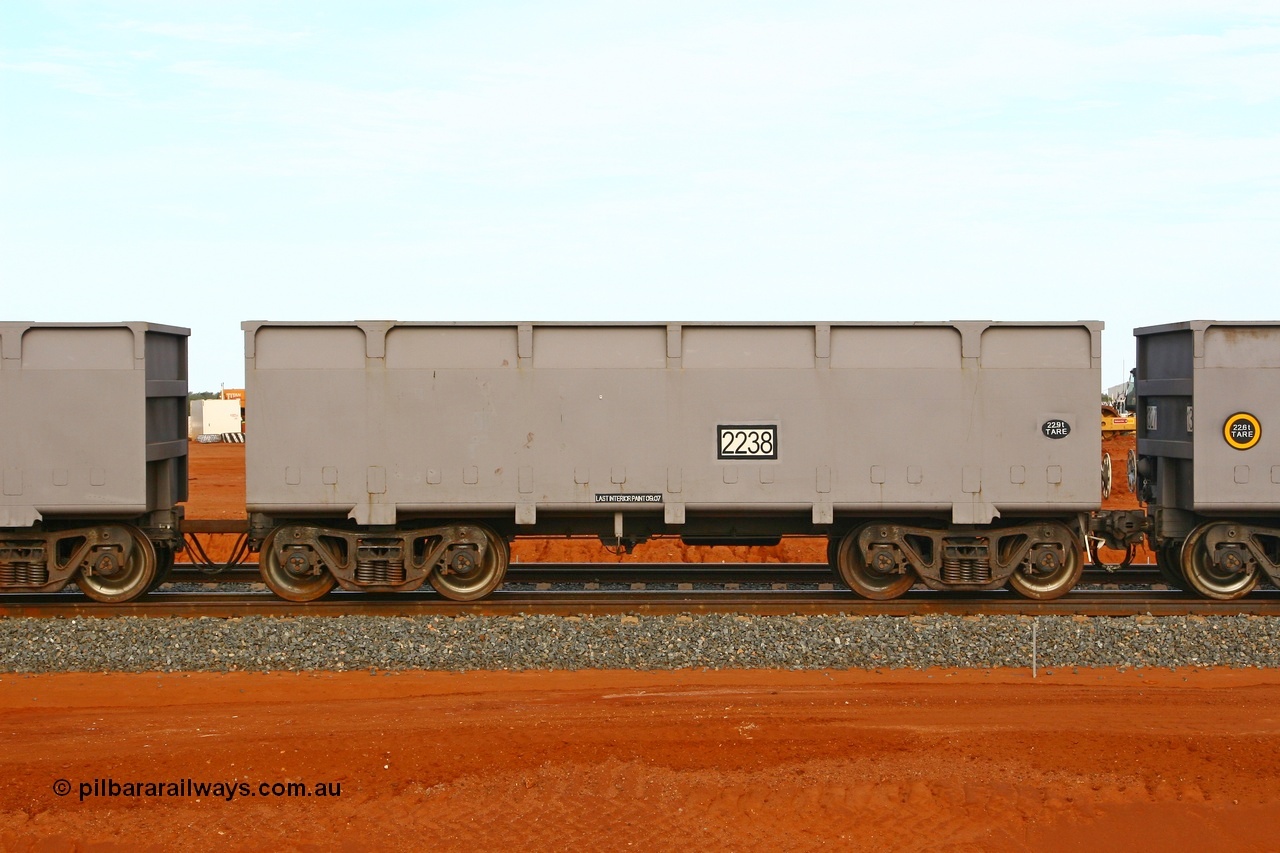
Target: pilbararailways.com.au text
(191, 788)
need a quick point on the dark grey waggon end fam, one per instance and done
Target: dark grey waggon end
(385, 455)
(1207, 398)
(93, 455)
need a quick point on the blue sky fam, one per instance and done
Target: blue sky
(203, 163)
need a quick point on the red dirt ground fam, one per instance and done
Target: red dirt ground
(939, 760)
(744, 760)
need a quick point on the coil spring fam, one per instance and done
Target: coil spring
(23, 574)
(379, 563)
(962, 570)
(380, 571)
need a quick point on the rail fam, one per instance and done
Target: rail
(616, 602)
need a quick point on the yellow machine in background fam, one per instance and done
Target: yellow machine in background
(1115, 423)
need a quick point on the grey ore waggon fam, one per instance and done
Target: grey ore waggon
(1207, 398)
(93, 455)
(385, 455)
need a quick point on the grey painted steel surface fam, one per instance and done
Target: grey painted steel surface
(383, 421)
(1192, 378)
(92, 420)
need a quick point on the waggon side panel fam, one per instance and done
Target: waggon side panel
(89, 425)
(415, 418)
(1193, 377)
(1237, 373)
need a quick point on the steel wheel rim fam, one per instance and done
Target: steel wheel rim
(1205, 578)
(287, 584)
(1053, 585)
(862, 579)
(133, 581)
(164, 566)
(484, 580)
(1168, 563)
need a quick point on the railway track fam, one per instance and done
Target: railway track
(582, 602)
(650, 574)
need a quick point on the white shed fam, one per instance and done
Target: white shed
(213, 417)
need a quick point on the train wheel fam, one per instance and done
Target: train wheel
(1206, 578)
(1169, 564)
(299, 577)
(112, 580)
(1045, 583)
(470, 580)
(862, 578)
(164, 566)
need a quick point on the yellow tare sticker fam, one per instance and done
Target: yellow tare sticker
(1242, 431)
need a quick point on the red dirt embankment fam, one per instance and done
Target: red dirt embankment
(939, 760)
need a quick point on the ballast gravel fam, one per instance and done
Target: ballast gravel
(715, 641)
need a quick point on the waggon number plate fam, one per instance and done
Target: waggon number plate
(747, 441)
